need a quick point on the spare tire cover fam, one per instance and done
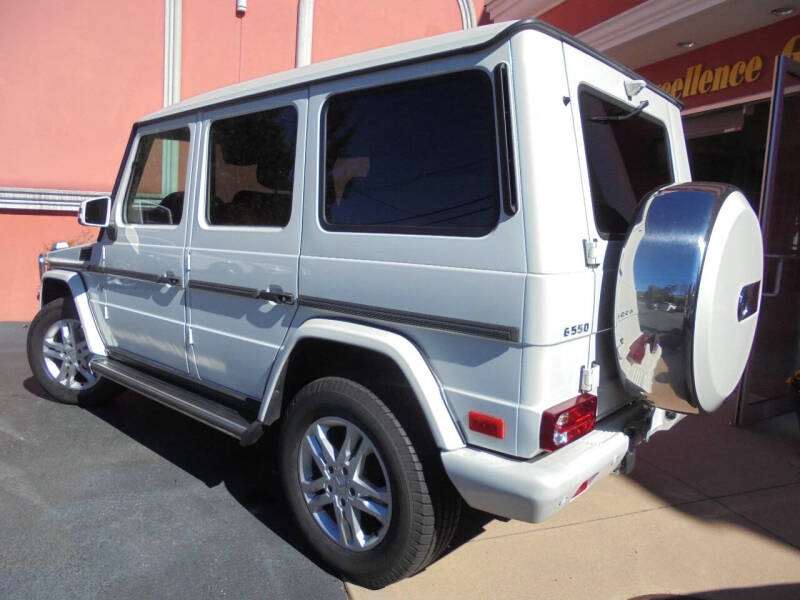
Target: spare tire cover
(687, 296)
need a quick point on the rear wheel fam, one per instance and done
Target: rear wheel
(59, 356)
(357, 486)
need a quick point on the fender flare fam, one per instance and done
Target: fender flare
(396, 347)
(77, 289)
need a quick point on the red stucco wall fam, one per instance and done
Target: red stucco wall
(346, 27)
(23, 236)
(74, 77)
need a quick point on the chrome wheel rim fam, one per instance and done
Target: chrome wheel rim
(345, 483)
(66, 355)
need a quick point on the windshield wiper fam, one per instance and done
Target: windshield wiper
(644, 104)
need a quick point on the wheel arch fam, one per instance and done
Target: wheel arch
(371, 347)
(58, 283)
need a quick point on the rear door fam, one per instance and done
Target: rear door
(624, 152)
(245, 240)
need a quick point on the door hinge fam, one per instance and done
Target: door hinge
(590, 253)
(589, 377)
(188, 261)
(190, 336)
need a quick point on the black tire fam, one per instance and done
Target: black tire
(421, 517)
(82, 391)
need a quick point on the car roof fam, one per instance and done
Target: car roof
(390, 56)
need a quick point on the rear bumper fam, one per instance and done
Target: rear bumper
(533, 490)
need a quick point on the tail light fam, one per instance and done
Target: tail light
(566, 422)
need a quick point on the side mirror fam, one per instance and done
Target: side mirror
(95, 212)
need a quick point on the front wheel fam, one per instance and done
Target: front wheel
(59, 356)
(357, 486)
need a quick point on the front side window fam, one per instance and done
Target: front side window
(416, 157)
(627, 158)
(252, 169)
(158, 179)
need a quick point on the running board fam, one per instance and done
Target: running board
(220, 417)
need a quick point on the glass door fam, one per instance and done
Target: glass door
(776, 353)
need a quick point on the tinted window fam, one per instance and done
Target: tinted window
(627, 159)
(251, 170)
(413, 158)
(158, 179)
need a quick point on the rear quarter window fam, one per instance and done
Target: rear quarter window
(416, 157)
(626, 158)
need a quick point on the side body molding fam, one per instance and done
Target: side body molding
(396, 347)
(77, 289)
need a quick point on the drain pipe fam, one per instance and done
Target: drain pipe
(305, 32)
(305, 27)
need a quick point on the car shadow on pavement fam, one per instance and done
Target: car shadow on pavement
(249, 474)
(766, 592)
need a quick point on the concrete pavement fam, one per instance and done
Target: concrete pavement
(711, 511)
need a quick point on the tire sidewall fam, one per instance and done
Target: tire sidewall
(366, 413)
(61, 308)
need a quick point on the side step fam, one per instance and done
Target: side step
(220, 417)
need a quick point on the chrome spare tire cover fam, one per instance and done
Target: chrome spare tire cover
(687, 296)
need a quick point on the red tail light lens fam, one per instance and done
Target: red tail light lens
(568, 421)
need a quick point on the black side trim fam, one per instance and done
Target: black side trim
(501, 37)
(245, 292)
(167, 278)
(495, 332)
(218, 416)
(221, 288)
(504, 139)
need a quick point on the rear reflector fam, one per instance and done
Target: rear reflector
(487, 424)
(568, 421)
(582, 487)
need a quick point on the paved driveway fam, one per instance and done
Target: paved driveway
(132, 500)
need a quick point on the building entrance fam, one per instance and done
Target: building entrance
(757, 148)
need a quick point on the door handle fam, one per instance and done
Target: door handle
(277, 297)
(169, 278)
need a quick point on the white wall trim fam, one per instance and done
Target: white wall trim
(173, 32)
(467, 10)
(305, 33)
(641, 20)
(25, 199)
(507, 10)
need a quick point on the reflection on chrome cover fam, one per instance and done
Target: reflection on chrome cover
(658, 289)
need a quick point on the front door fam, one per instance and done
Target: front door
(142, 267)
(776, 353)
(245, 240)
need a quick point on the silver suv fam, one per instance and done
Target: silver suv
(439, 269)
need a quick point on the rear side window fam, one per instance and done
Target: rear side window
(158, 179)
(627, 158)
(252, 169)
(417, 157)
